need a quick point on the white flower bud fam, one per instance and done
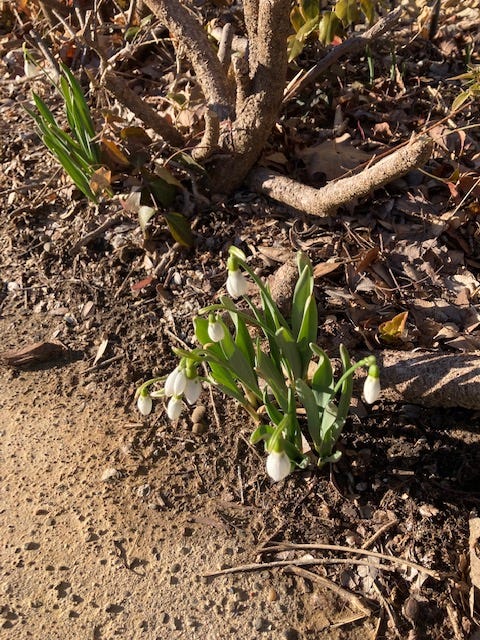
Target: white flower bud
(278, 465)
(371, 388)
(144, 404)
(193, 390)
(175, 407)
(216, 332)
(236, 283)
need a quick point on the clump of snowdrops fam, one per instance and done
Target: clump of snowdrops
(271, 366)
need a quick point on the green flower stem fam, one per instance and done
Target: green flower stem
(368, 361)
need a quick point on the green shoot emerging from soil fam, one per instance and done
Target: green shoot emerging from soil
(77, 151)
(271, 366)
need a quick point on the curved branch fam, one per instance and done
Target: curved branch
(120, 89)
(185, 28)
(325, 201)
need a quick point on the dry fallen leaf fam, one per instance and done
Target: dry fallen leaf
(334, 157)
(35, 353)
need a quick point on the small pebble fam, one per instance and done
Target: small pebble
(291, 634)
(110, 473)
(31, 546)
(199, 428)
(198, 413)
(258, 623)
(272, 595)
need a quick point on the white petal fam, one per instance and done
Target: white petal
(169, 383)
(180, 382)
(278, 465)
(144, 404)
(236, 284)
(216, 332)
(193, 390)
(175, 407)
(371, 389)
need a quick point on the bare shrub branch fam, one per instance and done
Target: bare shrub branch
(190, 34)
(325, 201)
(120, 89)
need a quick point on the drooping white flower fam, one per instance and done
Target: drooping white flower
(278, 465)
(371, 388)
(175, 407)
(193, 390)
(236, 283)
(215, 329)
(144, 404)
(175, 383)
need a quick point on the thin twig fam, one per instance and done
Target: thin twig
(84, 240)
(379, 533)
(299, 562)
(349, 46)
(359, 603)
(363, 552)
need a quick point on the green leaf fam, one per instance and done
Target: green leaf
(44, 111)
(289, 351)
(262, 432)
(309, 9)
(294, 47)
(347, 386)
(303, 291)
(327, 432)
(269, 372)
(243, 339)
(347, 11)
(332, 459)
(180, 228)
(307, 399)
(272, 410)
(308, 332)
(162, 191)
(296, 18)
(230, 355)
(322, 379)
(461, 99)
(328, 28)
(368, 8)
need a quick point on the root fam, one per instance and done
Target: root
(431, 379)
(325, 201)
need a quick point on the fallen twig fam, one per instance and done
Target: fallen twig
(363, 552)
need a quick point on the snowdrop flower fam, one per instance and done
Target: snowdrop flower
(144, 403)
(236, 281)
(215, 329)
(193, 390)
(175, 407)
(371, 388)
(176, 382)
(278, 465)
